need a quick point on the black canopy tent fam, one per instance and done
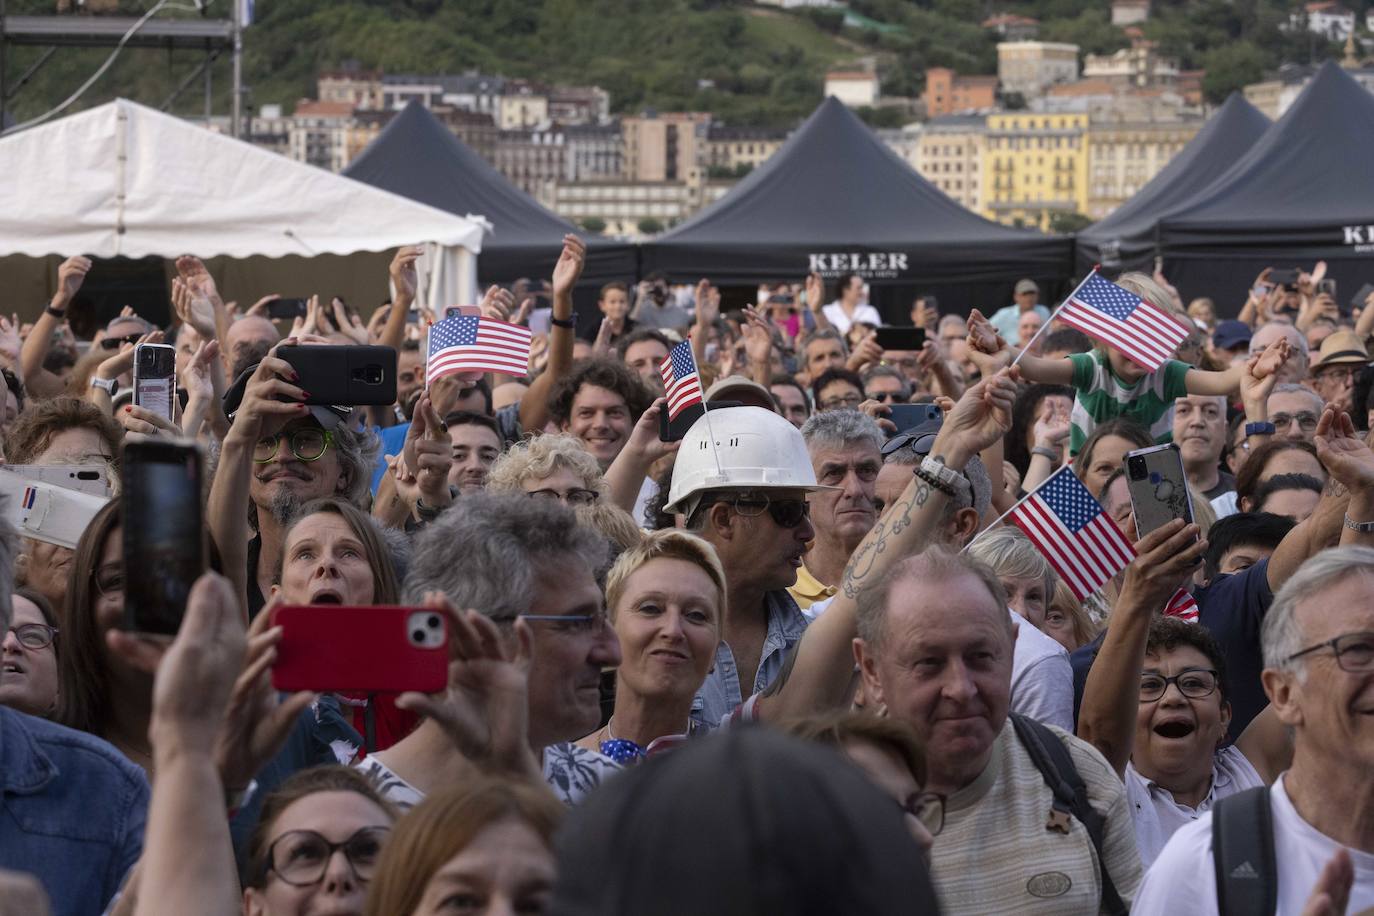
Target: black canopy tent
(1125, 240)
(834, 199)
(1304, 192)
(416, 156)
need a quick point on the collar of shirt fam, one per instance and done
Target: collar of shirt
(809, 588)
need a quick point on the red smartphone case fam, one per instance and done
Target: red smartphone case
(325, 647)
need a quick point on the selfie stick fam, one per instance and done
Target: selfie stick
(1046, 326)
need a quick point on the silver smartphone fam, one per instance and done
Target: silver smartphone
(83, 478)
(1158, 487)
(155, 379)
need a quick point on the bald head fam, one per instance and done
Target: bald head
(249, 339)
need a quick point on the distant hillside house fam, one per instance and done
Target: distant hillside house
(1327, 18)
(1031, 67)
(1011, 27)
(947, 92)
(855, 88)
(1129, 12)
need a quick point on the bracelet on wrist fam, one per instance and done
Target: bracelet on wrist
(1044, 451)
(1361, 527)
(1260, 428)
(56, 312)
(563, 323)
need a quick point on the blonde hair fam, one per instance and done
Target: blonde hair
(615, 524)
(1146, 288)
(1082, 625)
(668, 544)
(538, 457)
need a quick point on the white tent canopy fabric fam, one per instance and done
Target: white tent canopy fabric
(125, 180)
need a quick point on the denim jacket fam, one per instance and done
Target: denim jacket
(722, 692)
(72, 811)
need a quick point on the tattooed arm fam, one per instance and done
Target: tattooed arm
(824, 664)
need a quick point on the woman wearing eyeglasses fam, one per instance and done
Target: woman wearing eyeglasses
(317, 845)
(551, 466)
(665, 599)
(28, 656)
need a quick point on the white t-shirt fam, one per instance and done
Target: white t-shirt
(1157, 816)
(1225, 505)
(864, 314)
(1041, 677)
(1183, 879)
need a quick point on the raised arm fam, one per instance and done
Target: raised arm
(627, 472)
(70, 275)
(990, 352)
(1167, 557)
(815, 300)
(1229, 381)
(825, 656)
(403, 285)
(1350, 462)
(534, 403)
(707, 311)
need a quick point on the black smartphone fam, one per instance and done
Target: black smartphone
(674, 430)
(1327, 285)
(286, 309)
(164, 533)
(1158, 488)
(1360, 297)
(893, 338)
(155, 379)
(910, 416)
(1284, 276)
(348, 376)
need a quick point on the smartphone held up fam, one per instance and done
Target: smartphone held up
(164, 534)
(326, 647)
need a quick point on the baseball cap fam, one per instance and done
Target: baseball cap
(747, 391)
(1026, 286)
(327, 415)
(1231, 334)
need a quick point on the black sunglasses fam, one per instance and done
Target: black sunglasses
(112, 343)
(788, 513)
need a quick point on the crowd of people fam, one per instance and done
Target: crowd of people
(790, 660)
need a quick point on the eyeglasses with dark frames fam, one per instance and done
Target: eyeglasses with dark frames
(34, 635)
(787, 513)
(307, 443)
(578, 624)
(577, 496)
(301, 857)
(1354, 652)
(1193, 683)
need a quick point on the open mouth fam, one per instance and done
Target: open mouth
(325, 596)
(1175, 729)
(9, 668)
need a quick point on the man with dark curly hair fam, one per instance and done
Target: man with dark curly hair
(599, 402)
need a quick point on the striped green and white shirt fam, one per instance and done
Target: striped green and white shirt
(1101, 396)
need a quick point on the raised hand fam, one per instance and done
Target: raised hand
(758, 337)
(498, 303)
(1344, 455)
(350, 326)
(601, 347)
(1051, 428)
(980, 418)
(569, 267)
(644, 441)
(867, 353)
(986, 348)
(1166, 558)
(1257, 381)
(10, 344)
(815, 292)
(1271, 360)
(1331, 894)
(123, 361)
(140, 421)
(485, 710)
(270, 399)
(404, 277)
(196, 311)
(71, 273)
(260, 307)
(428, 455)
(197, 277)
(522, 314)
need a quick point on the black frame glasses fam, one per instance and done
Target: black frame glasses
(362, 849)
(34, 636)
(1306, 421)
(1154, 686)
(577, 496)
(580, 624)
(1354, 652)
(113, 343)
(293, 440)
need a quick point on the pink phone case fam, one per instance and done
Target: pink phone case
(325, 647)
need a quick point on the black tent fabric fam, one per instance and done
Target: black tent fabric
(1304, 192)
(834, 199)
(417, 157)
(1125, 240)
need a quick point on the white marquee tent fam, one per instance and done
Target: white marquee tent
(125, 180)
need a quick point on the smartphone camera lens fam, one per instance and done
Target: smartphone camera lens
(433, 621)
(1136, 467)
(418, 637)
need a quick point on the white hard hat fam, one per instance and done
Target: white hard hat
(755, 449)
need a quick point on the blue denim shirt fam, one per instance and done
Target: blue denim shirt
(721, 693)
(72, 811)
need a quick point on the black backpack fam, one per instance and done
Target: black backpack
(1052, 759)
(1243, 854)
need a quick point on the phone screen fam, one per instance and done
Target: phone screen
(279, 309)
(164, 534)
(155, 379)
(909, 339)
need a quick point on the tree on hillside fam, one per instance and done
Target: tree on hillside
(1231, 67)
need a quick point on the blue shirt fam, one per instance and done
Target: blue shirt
(72, 811)
(394, 438)
(721, 692)
(1232, 608)
(1007, 319)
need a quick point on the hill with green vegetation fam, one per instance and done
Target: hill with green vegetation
(746, 64)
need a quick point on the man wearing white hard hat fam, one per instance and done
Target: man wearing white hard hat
(741, 481)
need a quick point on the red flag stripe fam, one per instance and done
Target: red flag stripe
(1048, 535)
(1147, 352)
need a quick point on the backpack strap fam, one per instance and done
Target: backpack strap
(1243, 854)
(1057, 768)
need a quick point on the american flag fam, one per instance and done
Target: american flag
(681, 382)
(469, 344)
(1121, 319)
(1069, 527)
(1182, 606)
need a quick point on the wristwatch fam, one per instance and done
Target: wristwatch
(947, 479)
(56, 313)
(1261, 428)
(110, 385)
(1361, 527)
(563, 323)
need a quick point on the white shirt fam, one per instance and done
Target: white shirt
(1157, 816)
(1183, 878)
(864, 314)
(1225, 505)
(1041, 677)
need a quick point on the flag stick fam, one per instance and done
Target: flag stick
(705, 412)
(1046, 326)
(999, 519)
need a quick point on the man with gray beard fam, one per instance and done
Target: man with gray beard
(279, 455)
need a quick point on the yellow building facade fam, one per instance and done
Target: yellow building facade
(1034, 165)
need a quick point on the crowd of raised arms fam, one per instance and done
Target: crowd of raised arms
(782, 658)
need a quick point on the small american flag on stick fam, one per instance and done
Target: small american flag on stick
(466, 343)
(1121, 319)
(1068, 526)
(681, 382)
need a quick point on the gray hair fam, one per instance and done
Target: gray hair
(357, 453)
(843, 428)
(9, 546)
(822, 334)
(1010, 553)
(951, 321)
(486, 550)
(881, 371)
(1281, 636)
(1295, 388)
(932, 567)
(975, 472)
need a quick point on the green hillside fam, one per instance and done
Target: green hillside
(746, 64)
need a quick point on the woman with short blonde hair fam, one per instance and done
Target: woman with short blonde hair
(553, 465)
